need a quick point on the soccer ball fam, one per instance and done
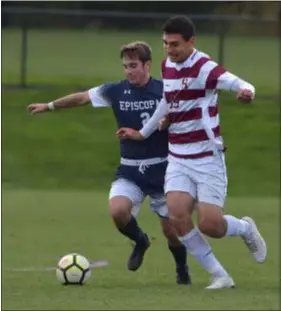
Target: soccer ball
(73, 269)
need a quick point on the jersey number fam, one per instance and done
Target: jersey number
(145, 116)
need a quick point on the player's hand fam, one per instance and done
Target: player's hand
(245, 96)
(163, 124)
(128, 133)
(37, 108)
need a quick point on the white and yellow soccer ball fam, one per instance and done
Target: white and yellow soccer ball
(73, 269)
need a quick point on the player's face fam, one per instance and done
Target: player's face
(136, 72)
(177, 48)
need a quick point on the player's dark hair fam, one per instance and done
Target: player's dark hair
(137, 49)
(179, 25)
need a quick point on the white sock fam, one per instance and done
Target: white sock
(199, 248)
(236, 227)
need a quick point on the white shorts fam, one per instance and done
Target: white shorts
(205, 179)
(124, 187)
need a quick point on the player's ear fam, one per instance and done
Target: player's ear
(148, 65)
(192, 40)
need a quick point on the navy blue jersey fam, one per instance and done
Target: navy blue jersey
(132, 107)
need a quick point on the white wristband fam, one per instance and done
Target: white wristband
(51, 106)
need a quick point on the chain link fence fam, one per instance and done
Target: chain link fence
(54, 47)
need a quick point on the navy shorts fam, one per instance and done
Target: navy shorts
(150, 181)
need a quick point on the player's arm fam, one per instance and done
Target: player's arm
(149, 128)
(96, 96)
(68, 101)
(153, 123)
(221, 79)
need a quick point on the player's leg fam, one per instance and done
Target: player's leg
(181, 194)
(136, 210)
(178, 250)
(123, 196)
(211, 219)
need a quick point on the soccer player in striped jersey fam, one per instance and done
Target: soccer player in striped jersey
(143, 164)
(196, 163)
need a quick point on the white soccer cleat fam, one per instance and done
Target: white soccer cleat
(221, 282)
(255, 241)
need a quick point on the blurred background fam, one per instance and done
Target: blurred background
(55, 43)
(57, 167)
(53, 48)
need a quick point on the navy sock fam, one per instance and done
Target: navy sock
(133, 231)
(179, 253)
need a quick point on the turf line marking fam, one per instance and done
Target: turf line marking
(93, 265)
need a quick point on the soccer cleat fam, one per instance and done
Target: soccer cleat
(183, 277)
(255, 242)
(137, 255)
(221, 282)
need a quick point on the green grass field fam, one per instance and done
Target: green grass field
(78, 57)
(39, 226)
(57, 169)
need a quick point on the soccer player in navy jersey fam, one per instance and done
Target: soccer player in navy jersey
(143, 163)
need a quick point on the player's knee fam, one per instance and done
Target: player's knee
(179, 205)
(170, 232)
(180, 208)
(168, 229)
(211, 228)
(211, 221)
(120, 209)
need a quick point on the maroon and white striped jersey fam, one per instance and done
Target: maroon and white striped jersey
(190, 101)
